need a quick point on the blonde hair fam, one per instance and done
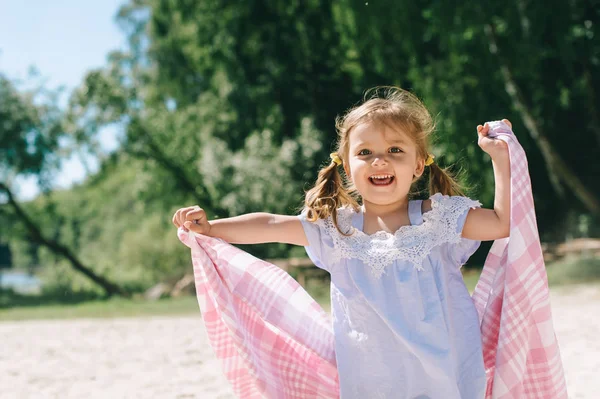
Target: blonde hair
(392, 106)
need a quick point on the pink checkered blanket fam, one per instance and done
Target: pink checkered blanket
(275, 341)
(520, 349)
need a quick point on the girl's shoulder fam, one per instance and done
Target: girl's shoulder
(330, 226)
(345, 216)
(441, 206)
(343, 212)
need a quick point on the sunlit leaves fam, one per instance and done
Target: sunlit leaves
(30, 129)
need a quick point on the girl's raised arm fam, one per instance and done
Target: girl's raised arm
(492, 224)
(251, 228)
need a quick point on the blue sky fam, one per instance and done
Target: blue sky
(62, 39)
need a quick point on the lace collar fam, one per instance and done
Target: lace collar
(411, 243)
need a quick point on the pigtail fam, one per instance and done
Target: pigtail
(328, 194)
(443, 181)
(400, 110)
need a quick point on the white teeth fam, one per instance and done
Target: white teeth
(381, 176)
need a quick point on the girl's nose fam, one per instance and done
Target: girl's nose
(379, 160)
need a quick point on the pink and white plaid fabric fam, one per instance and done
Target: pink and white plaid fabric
(275, 341)
(520, 349)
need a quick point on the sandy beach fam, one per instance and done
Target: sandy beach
(169, 357)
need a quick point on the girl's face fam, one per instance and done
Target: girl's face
(382, 163)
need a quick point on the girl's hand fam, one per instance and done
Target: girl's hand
(492, 147)
(192, 218)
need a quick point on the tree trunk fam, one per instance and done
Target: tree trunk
(177, 171)
(591, 103)
(59, 249)
(558, 170)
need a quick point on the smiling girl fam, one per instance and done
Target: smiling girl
(404, 323)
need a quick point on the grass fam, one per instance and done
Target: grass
(15, 307)
(471, 276)
(569, 271)
(574, 270)
(109, 308)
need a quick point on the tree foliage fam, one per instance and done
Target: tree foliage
(232, 106)
(29, 132)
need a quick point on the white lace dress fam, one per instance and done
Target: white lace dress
(404, 323)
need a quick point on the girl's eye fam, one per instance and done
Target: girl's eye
(393, 150)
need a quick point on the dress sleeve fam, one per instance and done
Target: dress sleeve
(454, 211)
(320, 243)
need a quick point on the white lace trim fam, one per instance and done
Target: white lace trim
(411, 243)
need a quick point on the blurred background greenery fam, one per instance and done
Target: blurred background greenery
(231, 106)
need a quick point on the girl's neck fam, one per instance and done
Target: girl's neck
(389, 217)
(382, 211)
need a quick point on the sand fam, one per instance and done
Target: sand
(169, 357)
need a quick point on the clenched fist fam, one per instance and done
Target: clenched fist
(491, 146)
(192, 218)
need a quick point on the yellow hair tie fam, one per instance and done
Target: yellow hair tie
(429, 160)
(335, 158)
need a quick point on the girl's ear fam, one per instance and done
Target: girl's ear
(420, 167)
(347, 170)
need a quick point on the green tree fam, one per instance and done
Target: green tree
(232, 107)
(234, 102)
(531, 62)
(29, 141)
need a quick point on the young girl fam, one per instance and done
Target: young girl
(405, 325)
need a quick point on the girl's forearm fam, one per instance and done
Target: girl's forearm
(501, 165)
(250, 228)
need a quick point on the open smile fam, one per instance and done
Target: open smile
(381, 180)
